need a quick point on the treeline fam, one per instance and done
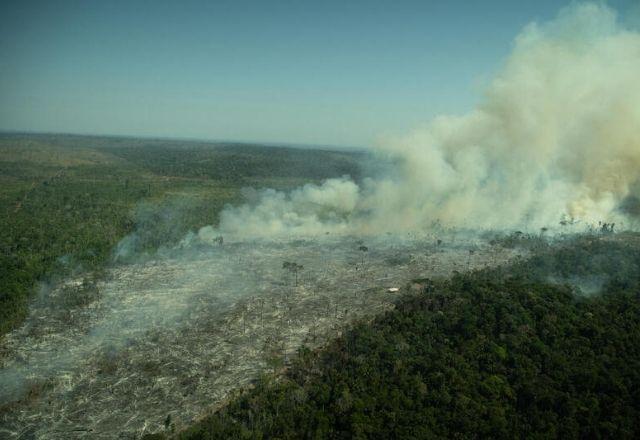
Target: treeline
(503, 353)
(248, 164)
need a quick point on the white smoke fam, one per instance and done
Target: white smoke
(556, 134)
(310, 209)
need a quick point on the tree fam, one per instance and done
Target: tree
(363, 249)
(293, 268)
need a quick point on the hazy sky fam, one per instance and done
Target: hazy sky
(321, 72)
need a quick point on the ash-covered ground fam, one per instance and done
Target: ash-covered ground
(157, 343)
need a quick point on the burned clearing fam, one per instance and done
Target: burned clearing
(157, 343)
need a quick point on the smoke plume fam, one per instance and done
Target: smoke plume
(556, 135)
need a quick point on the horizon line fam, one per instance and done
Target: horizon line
(300, 145)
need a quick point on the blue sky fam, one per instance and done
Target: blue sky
(329, 73)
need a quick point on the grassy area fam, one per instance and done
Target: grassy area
(65, 201)
(500, 353)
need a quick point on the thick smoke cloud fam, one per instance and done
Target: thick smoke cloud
(556, 135)
(310, 209)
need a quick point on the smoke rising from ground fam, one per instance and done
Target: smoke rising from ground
(555, 136)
